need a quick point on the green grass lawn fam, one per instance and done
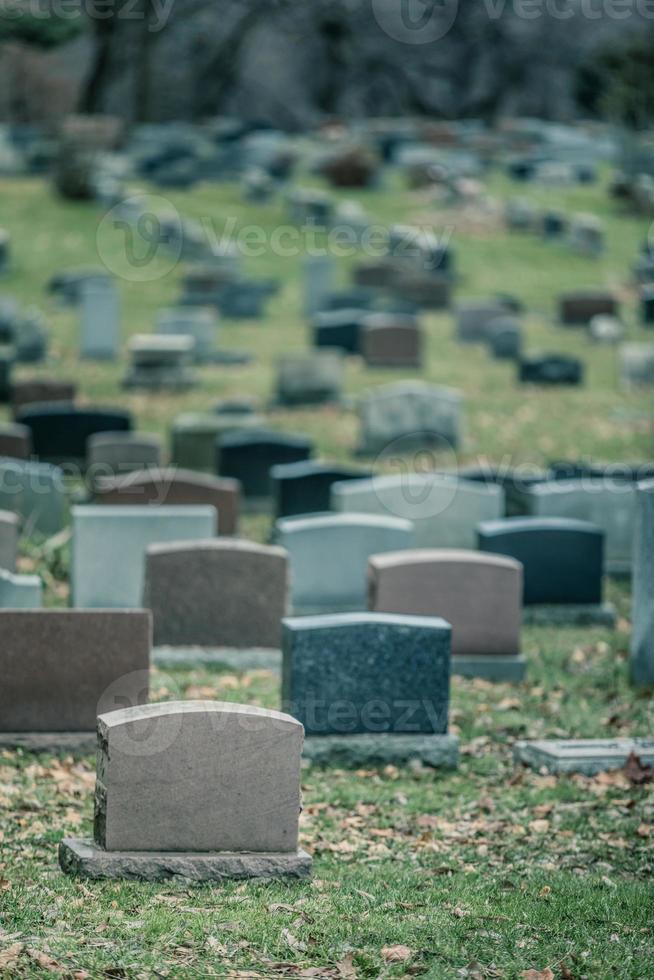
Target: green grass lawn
(491, 871)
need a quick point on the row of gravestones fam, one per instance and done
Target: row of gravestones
(584, 233)
(341, 562)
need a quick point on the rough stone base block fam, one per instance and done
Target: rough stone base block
(84, 859)
(161, 380)
(359, 751)
(491, 667)
(585, 755)
(82, 743)
(190, 658)
(581, 615)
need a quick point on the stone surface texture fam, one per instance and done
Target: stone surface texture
(642, 636)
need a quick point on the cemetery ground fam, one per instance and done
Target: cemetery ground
(490, 871)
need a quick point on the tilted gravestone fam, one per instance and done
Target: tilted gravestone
(636, 365)
(444, 510)
(370, 688)
(194, 436)
(109, 545)
(109, 453)
(550, 369)
(391, 340)
(15, 440)
(9, 529)
(99, 319)
(305, 488)
(20, 591)
(642, 636)
(200, 790)
(60, 431)
(338, 328)
(577, 309)
(216, 593)
(174, 487)
(61, 667)
(311, 378)
(36, 391)
(328, 555)
(610, 506)
(563, 561)
(479, 595)
(36, 492)
(415, 412)
(249, 456)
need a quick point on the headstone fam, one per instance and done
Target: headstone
(413, 412)
(110, 453)
(319, 280)
(338, 328)
(520, 214)
(514, 481)
(244, 299)
(444, 510)
(473, 319)
(15, 441)
(309, 207)
(636, 365)
(550, 369)
(5, 251)
(249, 456)
(391, 340)
(328, 555)
(615, 473)
(606, 329)
(370, 688)
(6, 366)
(60, 431)
(578, 308)
(305, 488)
(588, 756)
(609, 505)
(36, 492)
(203, 283)
(647, 305)
(216, 593)
(159, 362)
(9, 529)
(67, 285)
(354, 298)
(20, 591)
(30, 341)
(563, 561)
(194, 435)
(426, 290)
(194, 790)
(99, 319)
(554, 224)
(173, 487)
(61, 667)
(198, 322)
(642, 635)
(109, 545)
(480, 596)
(311, 378)
(41, 391)
(505, 338)
(587, 235)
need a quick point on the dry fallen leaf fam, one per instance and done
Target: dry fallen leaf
(9, 955)
(396, 954)
(539, 826)
(636, 772)
(545, 974)
(345, 967)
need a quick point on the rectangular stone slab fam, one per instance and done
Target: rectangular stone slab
(493, 667)
(386, 749)
(354, 673)
(585, 755)
(85, 859)
(60, 667)
(198, 776)
(642, 636)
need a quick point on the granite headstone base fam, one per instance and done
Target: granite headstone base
(77, 743)
(194, 658)
(85, 859)
(382, 749)
(584, 614)
(491, 667)
(585, 755)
